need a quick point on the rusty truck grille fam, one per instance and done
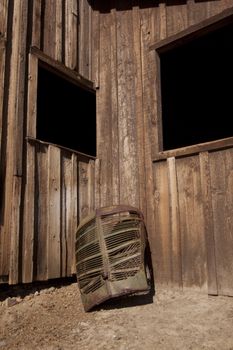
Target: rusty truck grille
(110, 246)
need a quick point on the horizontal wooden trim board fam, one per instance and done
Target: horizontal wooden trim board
(194, 31)
(83, 155)
(62, 70)
(195, 149)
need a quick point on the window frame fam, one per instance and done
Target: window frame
(193, 32)
(37, 59)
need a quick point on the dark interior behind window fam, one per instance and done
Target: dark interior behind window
(66, 113)
(196, 89)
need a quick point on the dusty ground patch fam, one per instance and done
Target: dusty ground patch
(53, 319)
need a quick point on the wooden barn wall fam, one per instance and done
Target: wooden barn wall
(44, 190)
(192, 240)
(60, 190)
(180, 198)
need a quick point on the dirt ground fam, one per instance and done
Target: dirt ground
(51, 317)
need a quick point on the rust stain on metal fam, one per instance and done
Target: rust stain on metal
(110, 254)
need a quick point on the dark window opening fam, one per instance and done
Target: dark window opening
(66, 113)
(196, 90)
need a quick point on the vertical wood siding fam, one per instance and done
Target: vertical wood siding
(42, 197)
(60, 191)
(193, 230)
(175, 194)
(62, 30)
(202, 206)
(46, 190)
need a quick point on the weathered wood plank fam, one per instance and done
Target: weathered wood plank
(114, 108)
(36, 23)
(139, 117)
(221, 172)
(83, 184)
(14, 270)
(176, 266)
(195, 149)
(69, 74)
(216, 7)
(54, 216)
(66, 183)
(91, 184)
(71, 33)
(3, 18)
(69, 215)
(2, 75)
(194, 272)
(85, 39)
(97, 183)
(14, 161)
(32, 96)
(52, 36)
(128, 161)
(193, 31)
(73, 221)
(104, 129)
(160, 236)
(149, 115)
(29, 218)
(208, 222)
(197, 11)
(162, 29)
(95, 47)
(41, 212)
(177, 17)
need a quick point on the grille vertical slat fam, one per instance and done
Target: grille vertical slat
(110, 246)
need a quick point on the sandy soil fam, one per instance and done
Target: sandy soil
(51, 317)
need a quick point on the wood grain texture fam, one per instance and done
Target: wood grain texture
(71, 33)
(74, 219)
(216, 7)
(162, 28)
(176, 265)
(208, 222)
(36, 23)
(95, 47)
(194, 273)
(85, 38)
(66, 207)
(2, 75)
(128, 161)
(221, 170)
(14, 136)
(160, 236)
(176, 17)
(32, 96)
(150, 143)
(41, 213)
(54, 212)
(52, 30)
(196, 11)
(104, 129)
(114, 109)
(91, 186)
(139, 115)
(3, 18)
(97, 183)
(83, 184)
(28, 243)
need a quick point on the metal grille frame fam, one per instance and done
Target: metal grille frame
(110, 254)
